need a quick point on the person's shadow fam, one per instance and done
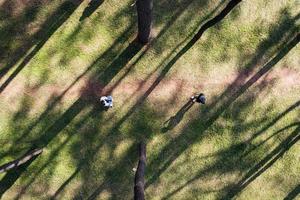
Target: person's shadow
(174, 120)
(88, 11)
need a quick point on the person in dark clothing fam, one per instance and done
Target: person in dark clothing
(200, 98)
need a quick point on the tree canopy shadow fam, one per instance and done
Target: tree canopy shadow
(94, 68)
(215, 109)
(102, 71)
(264, 164)
(210, 23)
(48, 28)
(100, 75)
(86, 100)
(178, 55)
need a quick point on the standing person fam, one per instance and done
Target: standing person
(107, 101)
(200, 98)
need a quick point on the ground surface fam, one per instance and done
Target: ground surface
(58, 57)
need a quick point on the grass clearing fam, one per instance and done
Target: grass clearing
(243, 144)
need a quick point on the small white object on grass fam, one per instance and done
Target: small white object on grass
(107, 101)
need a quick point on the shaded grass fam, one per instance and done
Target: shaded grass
(244, 131)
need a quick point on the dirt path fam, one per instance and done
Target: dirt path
(285, 80)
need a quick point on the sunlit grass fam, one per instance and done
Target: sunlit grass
(91, 153)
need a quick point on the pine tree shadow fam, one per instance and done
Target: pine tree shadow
(227, 158)
(264, 164)
(215, 109)
(87, 99)
(48, 28)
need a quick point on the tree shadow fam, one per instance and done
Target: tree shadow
(173, 60)
(84, 161)
(87, 99)
(210, 23)
(269, 125)
(174, 120)
(120, 176)
(15, 19)
(236, 153)
(48, 28)
(115, 177)
(113, 130)
(94, 68)
(279, 35)
(267, 139)
(264, 164)
(112, 181)
(88, 11)
(212, 113)
(293, 194)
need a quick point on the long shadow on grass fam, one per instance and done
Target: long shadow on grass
(237, 153)
(236, 90)
(269, 125)
(15, 20)
(264, 164)
(116, 177)
(285, 28)
(49, 27)
(170, 154)
(67, 117)
(85, 101)
(94, 68)
(293, 194)
(225, 162)
(164, 71)
(84, 161)
(229, 7)
(169, 65)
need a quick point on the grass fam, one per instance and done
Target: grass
(242, 144)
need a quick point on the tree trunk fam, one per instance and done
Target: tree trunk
(25, 158)
(144, 11)
(139, 180)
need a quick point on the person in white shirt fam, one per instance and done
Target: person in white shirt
(107, 101)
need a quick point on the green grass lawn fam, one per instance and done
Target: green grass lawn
(58, 57)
